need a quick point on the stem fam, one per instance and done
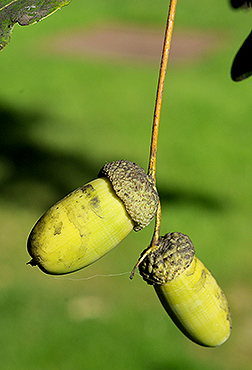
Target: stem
(155, 127)
(160, 89)
(154, 242)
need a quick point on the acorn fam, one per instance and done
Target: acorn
(93, 219)
(187, 290)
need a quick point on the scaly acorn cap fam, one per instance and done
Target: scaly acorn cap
(173, 254)
(135, 188)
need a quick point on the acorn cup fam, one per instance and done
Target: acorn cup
(93, 219)
(187, 290)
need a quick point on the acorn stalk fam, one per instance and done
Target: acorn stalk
(187, 290)
(93, 219)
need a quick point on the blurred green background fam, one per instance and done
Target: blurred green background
(62, 116)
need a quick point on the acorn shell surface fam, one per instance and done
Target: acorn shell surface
(197, 305)
(135, 188)
(79, 229)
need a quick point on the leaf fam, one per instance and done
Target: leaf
(241, 3)
(242, 64)
(24, 12)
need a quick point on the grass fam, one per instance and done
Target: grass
(61, 119)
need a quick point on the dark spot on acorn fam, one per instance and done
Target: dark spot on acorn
(57, 228)
(87, 190)
(173, 254)
(135, 188)
(95, 202)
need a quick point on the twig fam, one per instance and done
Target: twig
(160, 89)
(155, 127)
(154, 242)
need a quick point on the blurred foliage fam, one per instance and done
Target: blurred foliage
(29, 170)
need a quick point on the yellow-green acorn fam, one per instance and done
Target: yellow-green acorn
(93, 219)
(187, 290)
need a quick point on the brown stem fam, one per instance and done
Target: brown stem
(156, 234)
(155, 127)
(160, 89)
(154, 242)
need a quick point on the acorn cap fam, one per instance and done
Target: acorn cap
(135, 188)
(173, 254)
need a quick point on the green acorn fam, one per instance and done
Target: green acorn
(187, 290)
(93, 219)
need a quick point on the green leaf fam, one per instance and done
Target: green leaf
(24, 12)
